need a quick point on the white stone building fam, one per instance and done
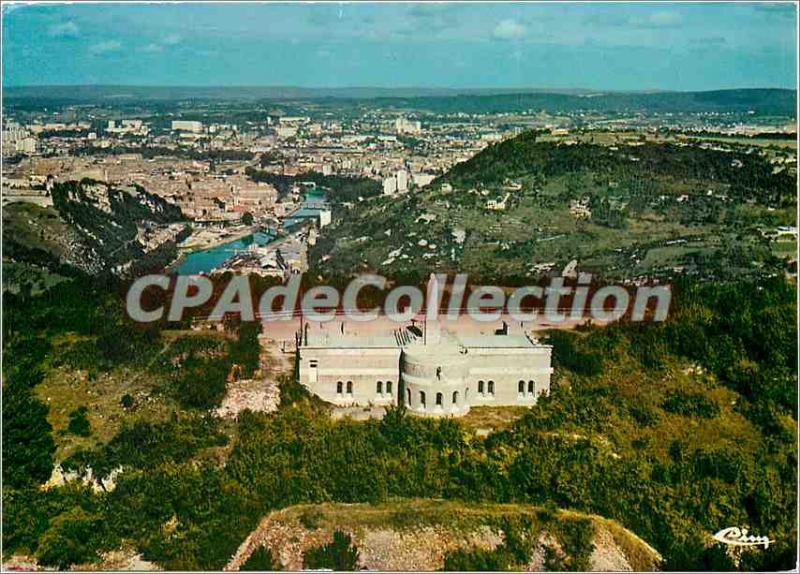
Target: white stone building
(431, 371)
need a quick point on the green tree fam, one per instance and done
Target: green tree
(28, 445)
(339, 555)
(71, 539)
(79, 423)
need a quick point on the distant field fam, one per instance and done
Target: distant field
(756, 141)
(785, 248)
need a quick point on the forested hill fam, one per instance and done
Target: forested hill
(622, 205)
(747, 178)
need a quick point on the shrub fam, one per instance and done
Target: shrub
(261, 560)
(339, 555)
(690, 405)
(71, 539)
(79, 423)
(479, 560)
(28, 445)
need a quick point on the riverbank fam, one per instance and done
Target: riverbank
(209, 237)
(208, 246)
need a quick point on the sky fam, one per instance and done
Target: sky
(667, 46)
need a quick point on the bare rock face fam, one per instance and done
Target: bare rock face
(19, 563)
(418, 535)
(607, 556)
(546, 546)
(380, 549)
(94, 227)
(258, 396)
(124, 559)
(60, 477)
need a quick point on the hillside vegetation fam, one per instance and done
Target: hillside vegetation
(634, 209)
(760, 101)
(673, 430)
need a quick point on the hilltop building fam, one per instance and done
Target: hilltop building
(430, 371)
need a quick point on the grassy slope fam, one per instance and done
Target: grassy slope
(35, 226)
(40, 237)
(66, 388)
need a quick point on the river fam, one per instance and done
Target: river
(206, 260)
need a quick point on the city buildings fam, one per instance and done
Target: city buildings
(396, 183)
(194, 127)
(405, 126)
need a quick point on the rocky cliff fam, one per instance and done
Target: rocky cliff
(425, 535)
(92, 227)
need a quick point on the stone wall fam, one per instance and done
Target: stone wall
(449, 379)
(350, 376)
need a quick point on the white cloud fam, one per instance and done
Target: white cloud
(160, 44)
(663, 19)
(107, 46)
(7, 9)
(171, 40)
(66, 29)
(509, 30)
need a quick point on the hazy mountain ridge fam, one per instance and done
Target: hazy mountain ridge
(760, 100)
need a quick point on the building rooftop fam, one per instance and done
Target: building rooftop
(406, 337)
(338, 341)
(496, 341)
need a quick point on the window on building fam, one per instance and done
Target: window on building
(455, 397)
(531, 387)
(422, 398)
(339, 387)
(480, 387)
(491, 387)
(521, 387)
(312, 363)
(439, 399)
(408, 396)
(388, 387)
(349, 387)
(379, 388)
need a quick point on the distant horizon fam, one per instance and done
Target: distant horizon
(421, 88)
(620, 47)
